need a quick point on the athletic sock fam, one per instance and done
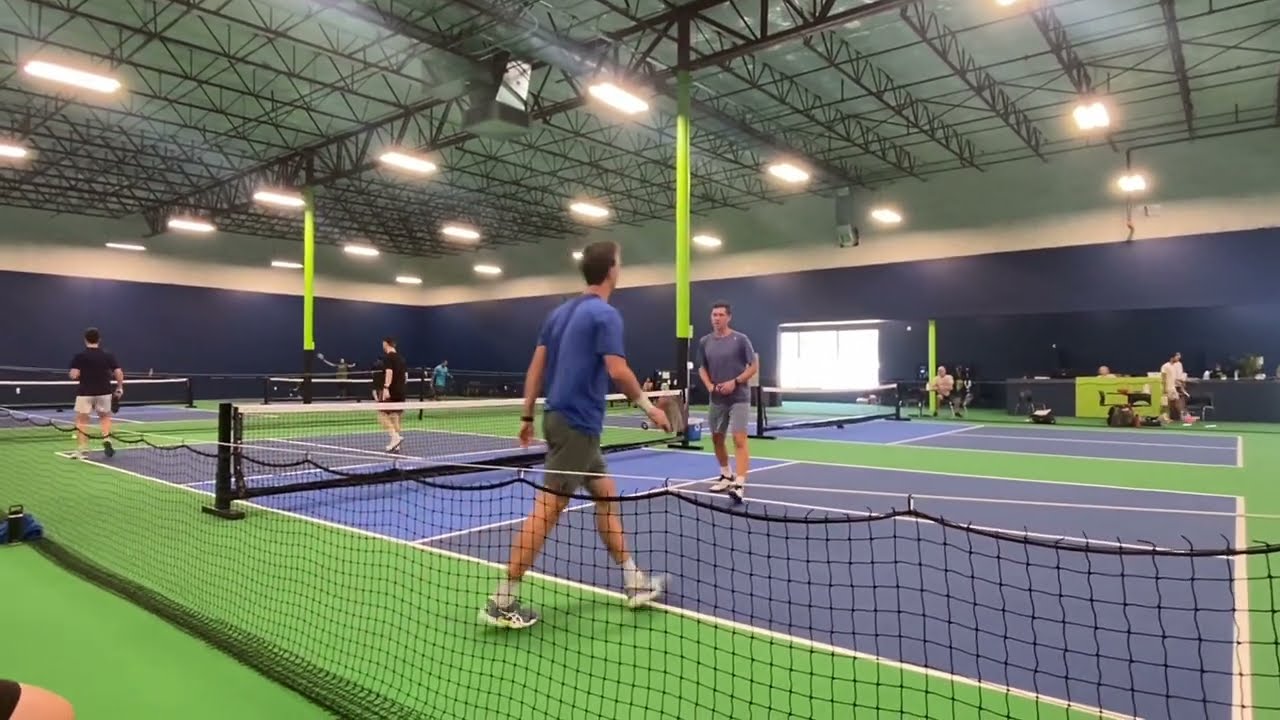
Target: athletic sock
(741, 479)
(632, 576)
(506, 593)
(724, 471)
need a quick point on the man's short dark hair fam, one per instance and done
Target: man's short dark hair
(728, 309)
(598, 259)
(389, 340)
(92, 336)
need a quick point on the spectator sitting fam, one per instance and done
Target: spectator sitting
(1104, 371)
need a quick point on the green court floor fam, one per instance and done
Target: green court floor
(104, 653)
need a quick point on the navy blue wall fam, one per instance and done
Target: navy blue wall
(1224, 270)
(1001, 313)
(173, 328)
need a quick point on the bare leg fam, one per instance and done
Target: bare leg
(609, 520)
(82, 431)
(741, 455)
(105, 421)
(529, 541)
(37, 703)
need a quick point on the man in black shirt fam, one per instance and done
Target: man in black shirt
(394, 379)
(95, 368)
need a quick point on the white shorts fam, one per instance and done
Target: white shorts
(88, 404)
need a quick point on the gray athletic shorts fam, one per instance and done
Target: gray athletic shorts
(569, 452)
(89, 404)
(731, 419)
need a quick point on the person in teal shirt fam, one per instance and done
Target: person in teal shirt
(440, 378)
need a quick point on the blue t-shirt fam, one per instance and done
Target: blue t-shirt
(441, 375)
(725, 358)
(578, 335)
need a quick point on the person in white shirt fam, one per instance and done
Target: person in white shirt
(942, 384)
(1174, 380)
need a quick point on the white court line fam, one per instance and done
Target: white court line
(1239, 451)
(1097, 442)
(691, 614)
(653, 491)
(955, 431)
(1013, 534)
(1091, 458)
(1241, 658)
(944, 473)
(902, 495)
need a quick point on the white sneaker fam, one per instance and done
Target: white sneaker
(394, 445)
(723, 484)
(646, 591)
(737, 491)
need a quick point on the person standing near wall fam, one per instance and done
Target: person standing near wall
(95, 368)
(727, 362)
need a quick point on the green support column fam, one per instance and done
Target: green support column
(684, 179)
(933, 361)
(308, 290)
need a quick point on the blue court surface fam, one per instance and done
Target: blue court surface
(1152, 445)
(1099, 629)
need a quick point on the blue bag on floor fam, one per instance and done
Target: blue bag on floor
(19, 527)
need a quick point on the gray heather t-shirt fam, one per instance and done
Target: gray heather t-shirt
(725, 358)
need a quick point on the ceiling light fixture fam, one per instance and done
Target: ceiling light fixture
(788, 173)
(71, 76)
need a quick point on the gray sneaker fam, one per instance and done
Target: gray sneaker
(648, 590)
(512, 616)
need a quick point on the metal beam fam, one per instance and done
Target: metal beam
(763, 38)
(582, 60)
(944, 42)
(1179, 64)
(856, 68)
(1277, 98)
(1055, 36)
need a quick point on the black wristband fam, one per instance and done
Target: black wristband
(526, 418)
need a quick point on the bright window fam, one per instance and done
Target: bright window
(835, 359)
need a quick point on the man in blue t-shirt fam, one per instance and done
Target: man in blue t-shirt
(440, 378)
(579, 350)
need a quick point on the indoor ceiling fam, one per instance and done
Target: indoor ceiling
(223, 97)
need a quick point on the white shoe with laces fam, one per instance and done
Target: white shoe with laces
(723, 484)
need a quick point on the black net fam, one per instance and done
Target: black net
(357, 387)
(61, 394)
(779, 409)
(301, 447)
(367, 598)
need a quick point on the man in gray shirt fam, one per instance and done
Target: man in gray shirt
(726, 363)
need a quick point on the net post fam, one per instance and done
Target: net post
(682, 381)
(266, 391)
(191, 393)
(898, 388)
(222, 477)
(757, 395)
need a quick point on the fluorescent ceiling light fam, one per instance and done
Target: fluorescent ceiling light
(279, 198)
(286, 264)
(459, 232)
(126, 246)
(11, 151)
(707, 241)
(408, 280)
(1132, 183)
(488, 270)
(71, 76)
(617, 98)
(1006, 3)
(361, 250)
(788, 173)
(886, 216)
(404, 161)
(577, 254)
(190, 225)
(587, 209)
(1091, 115)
